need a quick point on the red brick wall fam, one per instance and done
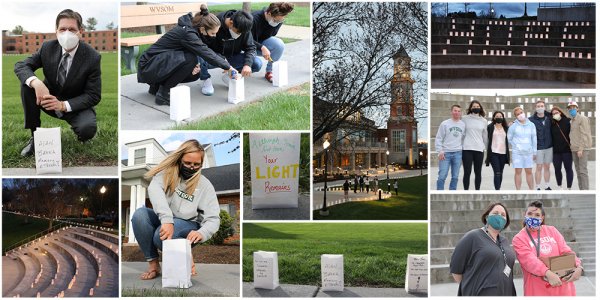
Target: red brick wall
(101, 40)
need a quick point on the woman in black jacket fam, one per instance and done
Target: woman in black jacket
(497, 148)
(561, 146)
(173, 59)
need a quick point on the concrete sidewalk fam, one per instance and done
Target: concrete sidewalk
(138, 110)
(79, 171)
(480, 83)
(508, 181)
(310, 291)
(216, 280)
(585, 286)
(300, 213)
(382, 177)
(294, 32)
(337, 197)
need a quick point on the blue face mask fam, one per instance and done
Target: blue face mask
(496, 221)
(573, 112)
(533, 223)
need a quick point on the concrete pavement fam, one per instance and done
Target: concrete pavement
(479, 83)
(585, 286)
(300, 213)
(138, 110)
(217, 280)
(310, 291)
(508, 182)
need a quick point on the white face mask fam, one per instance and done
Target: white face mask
(273, 23)
(233, 34)
(556, 117)
(67, 40)
(540, 110)
(521, 117)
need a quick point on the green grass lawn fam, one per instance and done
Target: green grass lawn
(102, 150)
(286, 110)
(410, 204)
(159, 292)
(15, 229)
(374, 254)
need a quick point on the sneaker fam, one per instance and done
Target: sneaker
(538, 189)
(225, 78)
(207, 88)
(269, 76)
(548, 189)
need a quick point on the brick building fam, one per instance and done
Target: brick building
(101, 40)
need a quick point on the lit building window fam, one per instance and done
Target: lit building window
(398, 140)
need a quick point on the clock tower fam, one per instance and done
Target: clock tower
(401, 125)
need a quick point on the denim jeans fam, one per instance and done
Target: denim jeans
(452, 161)
(276, 47)
(498, 162)
(146, 227)
(236, 61)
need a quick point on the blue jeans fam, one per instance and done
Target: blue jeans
(146, 227)
(276, 46)
(452, 161)
(236, 61)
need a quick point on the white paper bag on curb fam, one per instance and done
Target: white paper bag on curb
(48, 150)
(266, 270)
(417, 267)
(236, 90)
(332, 272)
(181, 105)
(177, 264)
(280, 73)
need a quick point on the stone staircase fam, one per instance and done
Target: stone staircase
(513, 49)
(453, 215)
(69, 262)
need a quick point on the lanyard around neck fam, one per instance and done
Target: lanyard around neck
(498, 243)
(537, 246)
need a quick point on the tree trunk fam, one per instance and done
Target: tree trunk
(247, 7)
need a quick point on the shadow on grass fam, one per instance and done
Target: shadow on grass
(257, 231)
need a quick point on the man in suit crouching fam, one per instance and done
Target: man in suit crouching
(71, 86)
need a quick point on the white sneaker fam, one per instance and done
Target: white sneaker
(207, 88)
(225, 78)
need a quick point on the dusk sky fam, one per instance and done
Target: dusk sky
(509, 10)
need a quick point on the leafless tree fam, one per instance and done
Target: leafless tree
(353, 45)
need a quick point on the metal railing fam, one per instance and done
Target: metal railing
(33, 237)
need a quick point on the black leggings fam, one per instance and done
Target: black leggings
(183, 73)
(475, 159)
(558, 159)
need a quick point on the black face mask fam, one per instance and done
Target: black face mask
(207, 38)
(186, 173)
(476, 110)
(498, 120)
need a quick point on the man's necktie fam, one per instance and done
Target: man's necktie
(62, 70)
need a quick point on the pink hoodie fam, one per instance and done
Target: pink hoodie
(552, 243)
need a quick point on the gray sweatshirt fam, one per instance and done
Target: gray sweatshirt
(201, 207)
(476, 133)
(450, 136)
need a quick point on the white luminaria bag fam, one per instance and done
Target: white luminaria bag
(332, 272)
(236, 90)
(280, 73)
(177, 263)
(181, 106)
(48, 150)
(266, 270)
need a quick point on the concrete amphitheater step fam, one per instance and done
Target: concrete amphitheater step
(32, 268)
(114, 239)
(541, 73)
(85, 275)
(62, 277)
(106, 268)
(108, 247)
(47, 265)
(13, 270)
(553, 60)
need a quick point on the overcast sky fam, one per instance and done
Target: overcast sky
(40, 16)
(171, 140)
(509, 10)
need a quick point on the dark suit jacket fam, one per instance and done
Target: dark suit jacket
(83, 84)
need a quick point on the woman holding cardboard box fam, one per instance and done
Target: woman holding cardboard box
(536, 245)
(184, 205)
(482, 261)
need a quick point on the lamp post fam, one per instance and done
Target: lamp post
(387, 169)
(102, 191)
(420, 162)
(324, 211)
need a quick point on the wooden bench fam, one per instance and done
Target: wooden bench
(157, 15)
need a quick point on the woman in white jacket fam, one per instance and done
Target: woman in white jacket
(522, 138)
(184, 205)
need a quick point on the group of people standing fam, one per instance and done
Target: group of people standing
(362, 182)
(545, 137)
(483, 260)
